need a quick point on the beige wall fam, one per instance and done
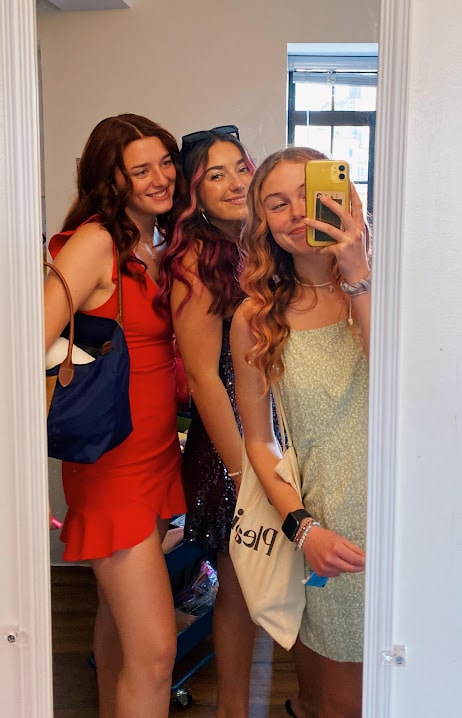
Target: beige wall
(186, 65)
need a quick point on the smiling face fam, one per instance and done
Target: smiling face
(152, 173)
(223, 191)
(283, 201)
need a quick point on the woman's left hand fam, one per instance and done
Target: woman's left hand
(350, 248)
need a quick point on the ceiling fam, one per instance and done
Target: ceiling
(48, 6)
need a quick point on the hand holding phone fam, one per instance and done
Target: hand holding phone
(325, 177)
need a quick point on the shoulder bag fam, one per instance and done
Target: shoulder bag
(88, 404)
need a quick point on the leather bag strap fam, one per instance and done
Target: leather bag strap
(66, 369)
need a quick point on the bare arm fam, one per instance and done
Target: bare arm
(328, 553)
(256, 416)
(86, 263)
(362, 307)
(199, 336)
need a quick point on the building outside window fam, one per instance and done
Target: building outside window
(331, 105)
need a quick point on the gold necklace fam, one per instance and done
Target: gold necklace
(312, 286)
(331, 289)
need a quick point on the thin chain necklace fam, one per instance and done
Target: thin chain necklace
(316, 286)
(151, 248)
(331, 289)
(148, 247)
(156, 241)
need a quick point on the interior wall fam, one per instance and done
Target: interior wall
(187, 66)
(428, 533)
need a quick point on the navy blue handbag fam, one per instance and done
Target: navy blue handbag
(88, 404)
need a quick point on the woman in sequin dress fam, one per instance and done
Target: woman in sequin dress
(306, 325)
(200, 274)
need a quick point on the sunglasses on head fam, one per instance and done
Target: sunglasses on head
(194, 137)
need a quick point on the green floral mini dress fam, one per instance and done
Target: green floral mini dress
(325, 393)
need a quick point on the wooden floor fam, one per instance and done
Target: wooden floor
(74, 684)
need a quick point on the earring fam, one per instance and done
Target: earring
(204, 216)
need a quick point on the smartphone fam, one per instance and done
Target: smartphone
(331, 177)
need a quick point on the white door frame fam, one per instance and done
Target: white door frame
(25, 659)
(389, 168)
(25, 644)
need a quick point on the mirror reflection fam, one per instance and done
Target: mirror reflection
(253, 98)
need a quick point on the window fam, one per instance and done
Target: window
(331, 105)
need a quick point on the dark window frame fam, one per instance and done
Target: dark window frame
(345, 70)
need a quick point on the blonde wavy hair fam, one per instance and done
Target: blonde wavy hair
(267, 273)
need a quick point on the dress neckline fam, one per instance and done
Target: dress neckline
(324, 327)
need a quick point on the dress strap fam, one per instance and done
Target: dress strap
(58, 240)
(117, 278)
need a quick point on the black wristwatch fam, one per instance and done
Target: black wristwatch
(292, 522)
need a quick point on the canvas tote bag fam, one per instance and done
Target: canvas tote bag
(269, 569)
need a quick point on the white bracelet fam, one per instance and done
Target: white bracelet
(306, 520)
(361, 287)
(233, 474)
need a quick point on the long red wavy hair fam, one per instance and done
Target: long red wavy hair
(267, 272)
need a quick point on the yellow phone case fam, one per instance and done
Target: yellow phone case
(331, 177)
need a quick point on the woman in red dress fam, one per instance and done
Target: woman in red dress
(119, 507)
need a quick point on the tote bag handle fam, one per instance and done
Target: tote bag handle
(284, 431)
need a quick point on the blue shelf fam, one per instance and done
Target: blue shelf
(179, 558)
(194, 634)
(182, 556)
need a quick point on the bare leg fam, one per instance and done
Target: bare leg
(108, 656)
(135, 637)
(327, 689)
(233, 638)
(341, 690)
(308, 668)
(107, 648)
(162, 527)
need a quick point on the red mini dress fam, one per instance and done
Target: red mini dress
(113, 504)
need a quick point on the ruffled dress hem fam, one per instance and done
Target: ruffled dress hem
(99, 534)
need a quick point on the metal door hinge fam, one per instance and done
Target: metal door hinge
(396, 656)
(16, 636)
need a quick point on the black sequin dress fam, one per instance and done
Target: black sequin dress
(210, 493)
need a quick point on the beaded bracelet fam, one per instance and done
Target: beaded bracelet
(299, 541)
(361, 287)
(301, 527)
